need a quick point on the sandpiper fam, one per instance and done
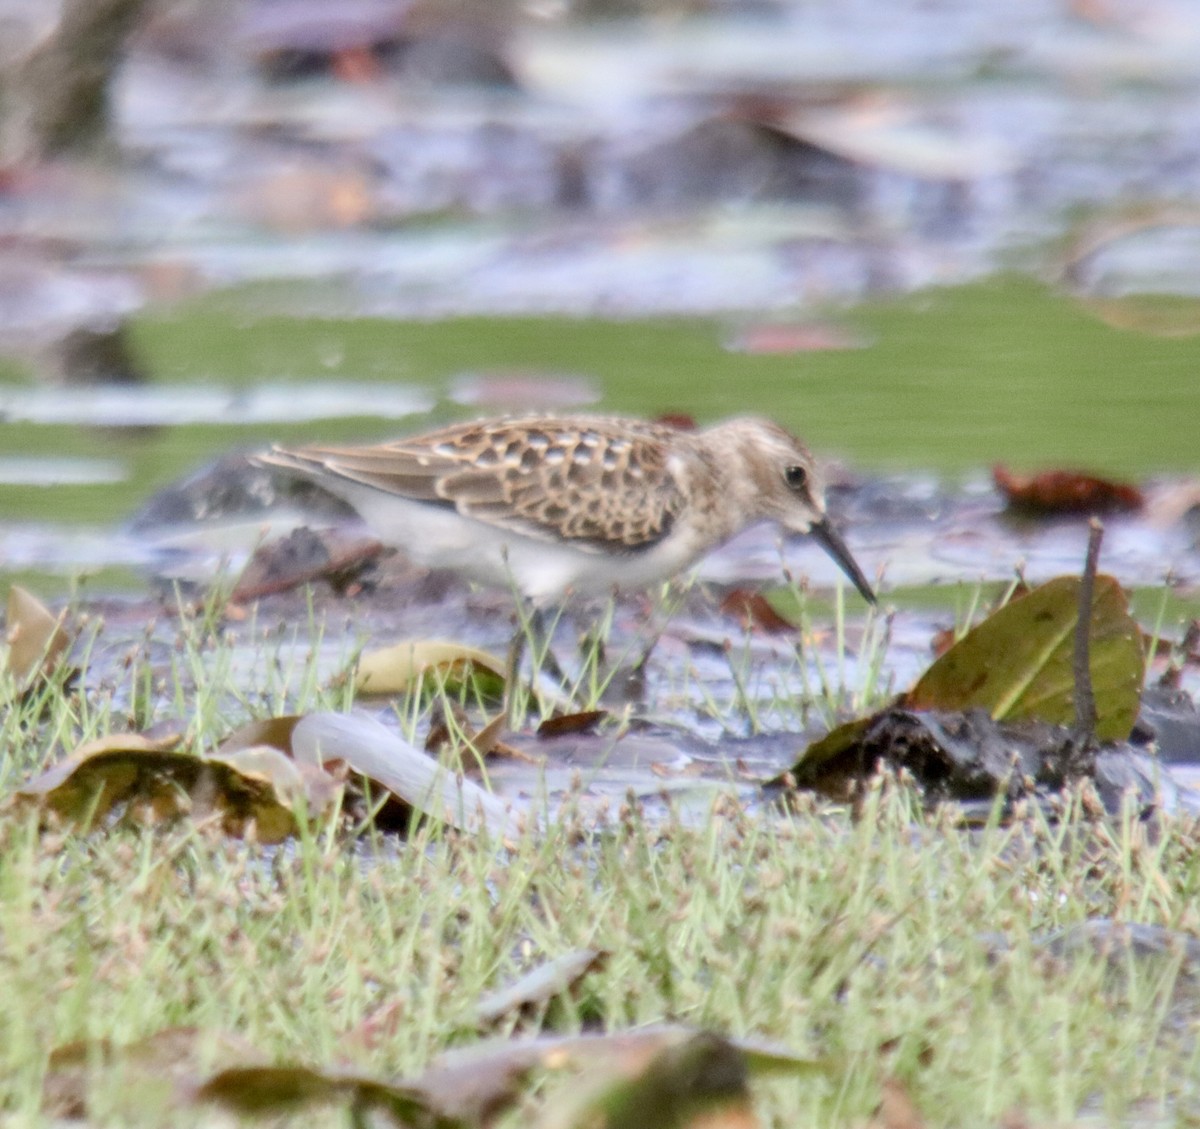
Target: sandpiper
(553, 505)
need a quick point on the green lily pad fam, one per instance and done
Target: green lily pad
(1018, 663)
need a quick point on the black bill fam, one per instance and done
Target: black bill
(831, 541)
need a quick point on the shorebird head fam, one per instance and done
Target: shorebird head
(789, 488)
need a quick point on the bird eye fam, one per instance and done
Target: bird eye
(796, 477)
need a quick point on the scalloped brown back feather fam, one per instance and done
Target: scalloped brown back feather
(563, 478)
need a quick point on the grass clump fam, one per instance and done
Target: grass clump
(890, 945)
(1041, 968)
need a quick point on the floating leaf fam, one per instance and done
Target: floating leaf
(399, 668)
(564, 724)
(1018, 663)
(769, 338)
(1065, 492)
(36, 637)
(755, 611)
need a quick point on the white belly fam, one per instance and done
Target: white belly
(439, 537)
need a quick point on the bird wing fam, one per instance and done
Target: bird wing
(593, 482)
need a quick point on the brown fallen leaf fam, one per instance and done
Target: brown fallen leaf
(356, 64)
(698, 1080)
(474, 1083)
(402, 666)
(258, 792)
(458, 736)
(257, 1091)
(303, 557)
(565, 724)
(1065, 492)
(755, 612)
(942, 641)
(158, 1073)
(36, 638)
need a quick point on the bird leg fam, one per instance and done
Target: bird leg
(532, 630)
(512, 672)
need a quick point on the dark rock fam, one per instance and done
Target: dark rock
(725, 159)
(96, 355)
(968, 757)
(233, 487)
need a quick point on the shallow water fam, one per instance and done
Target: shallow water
(926, 240)
(946, 382)
(770, 208)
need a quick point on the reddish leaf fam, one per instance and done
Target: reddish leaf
(681, 421)
(755, 611)
(1065, 492)
(302, 558)
(770, 339)
(357, 64)
(583, 721)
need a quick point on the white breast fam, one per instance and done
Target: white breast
(439, 537)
